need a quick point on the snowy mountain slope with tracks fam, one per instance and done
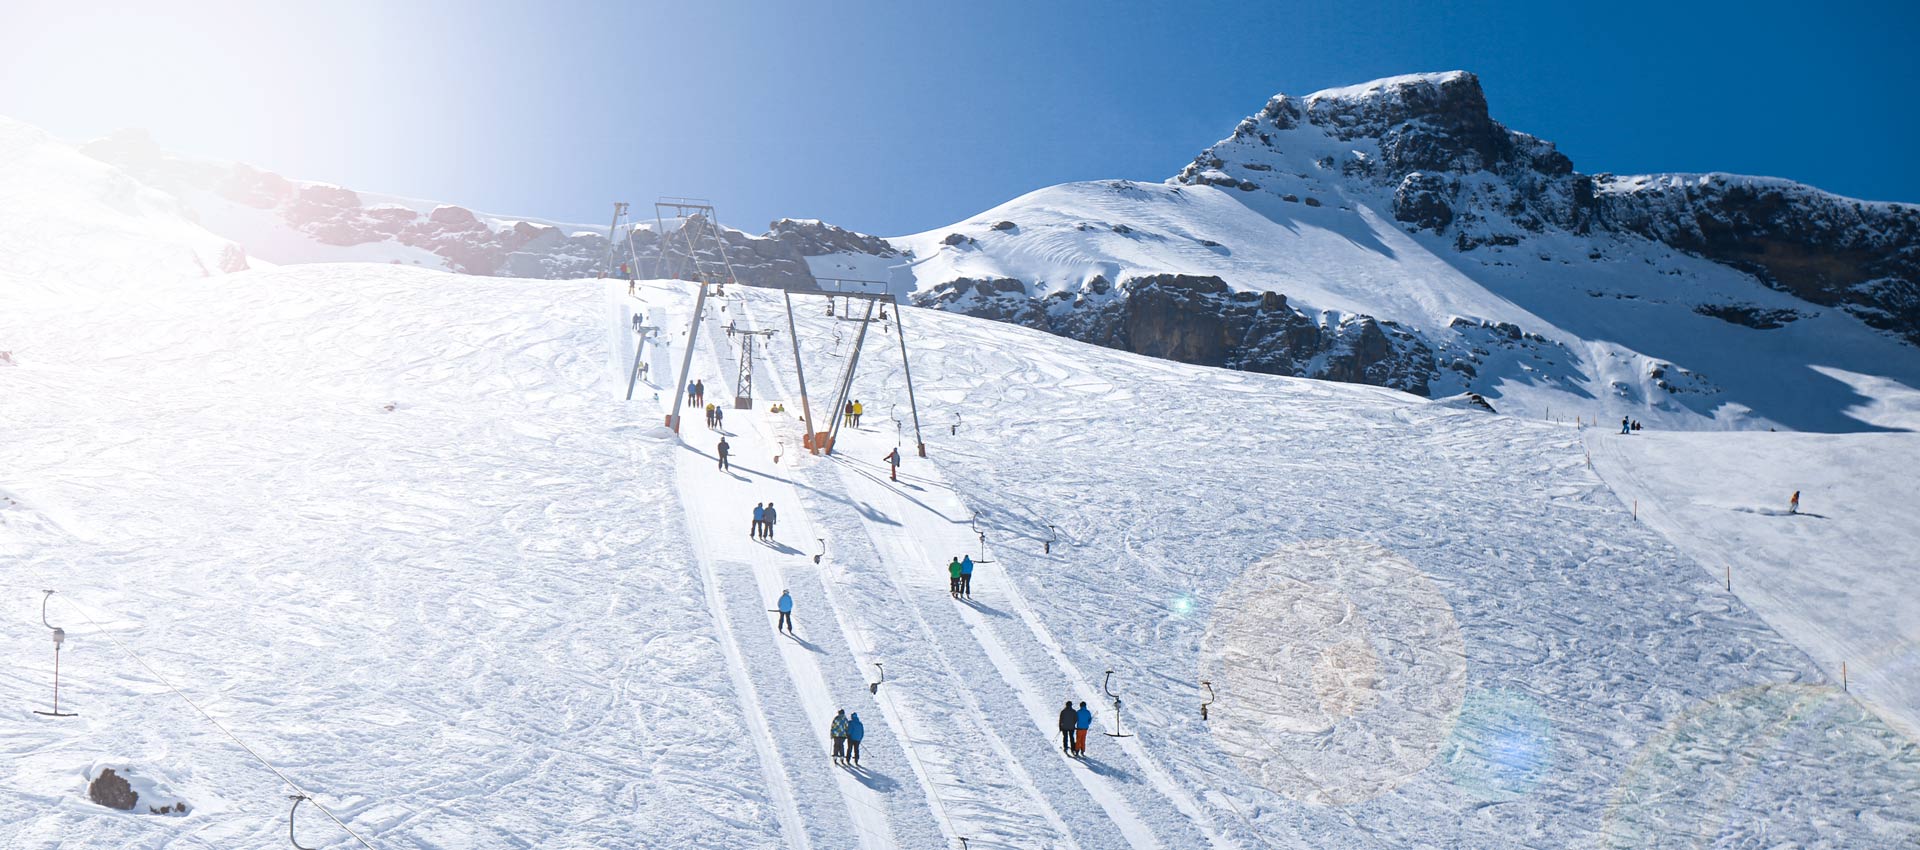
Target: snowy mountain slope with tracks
(399, 532)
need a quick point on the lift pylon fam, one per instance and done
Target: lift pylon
(698, 227)
(743, 385)
(631, 268)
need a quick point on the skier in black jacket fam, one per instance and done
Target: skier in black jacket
(1068, 717)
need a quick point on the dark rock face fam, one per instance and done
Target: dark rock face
(1858, 256)
(1759, 318)
(1421, 200)
(112, 790)
(815, 238)
(1199, 319)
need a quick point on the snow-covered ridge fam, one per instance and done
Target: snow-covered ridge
(294, 221)
(50, 196)
(1401, 205)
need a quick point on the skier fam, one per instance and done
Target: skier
(700, 389)
(848, 414)
(722, 451)
(855, 731)
(692, 398)
(1793, 505)
(1623, 426)
(953, 578)
(759, 520)
(893, 464)
(719, 417)
(966, 576)
(857, 410)
(766, 528)
(1082, 721)
(1068, 717)
(838, 732)
(786, 615)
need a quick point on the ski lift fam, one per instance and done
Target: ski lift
(297, 799)
(1209, 700)
(823, 549)
(1046, 546)
(955, 427)
(782, 450)
(59, 637)
(980, 533)
(1117, 732)
(874, 687)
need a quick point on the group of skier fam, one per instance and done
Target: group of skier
(960, 577)
(852, 413)
(697, 393)
(715, 416)
(763, 520)
(846, 733)
(1073, 729)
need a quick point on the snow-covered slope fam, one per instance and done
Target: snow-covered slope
(398, 532)
(1392, 233)
(510, 611)
(66, 219)
(1836, 576)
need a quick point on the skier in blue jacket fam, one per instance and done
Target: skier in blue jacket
(855, 731)
(786, 616)
(1081, 724)
(966, 576)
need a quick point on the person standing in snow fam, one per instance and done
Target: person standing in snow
(722, 451)
(700, 390)
(1793, 505)
(766, 528)
(1082, 721)
(692, 398)
(838, 732)
(1068, 718)
(858, 409)
(966, 576)
(759, 520)
(1623, 426)
(847, 414)
(953, 578)
(855, 731)
(893, 464)
(719, 417)
(786, 615)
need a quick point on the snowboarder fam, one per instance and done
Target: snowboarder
(1624, 429)
(1793, 505)
(893, 464)
(786, 615)
(855, 731)
(1068, 717)
(966, 576)
(1082, 721)
(759, 520)
(838, 732)
(766, 528)
(953, 578)
(722, 451)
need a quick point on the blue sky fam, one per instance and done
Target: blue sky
(896, 117)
